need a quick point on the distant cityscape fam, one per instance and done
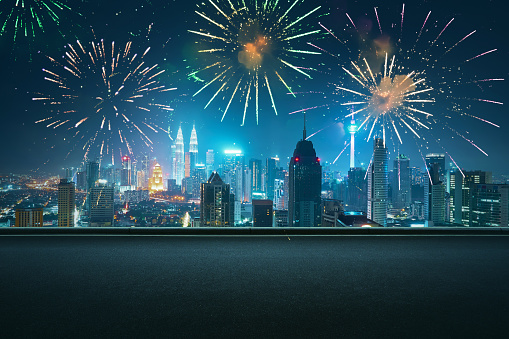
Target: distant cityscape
(230, 191)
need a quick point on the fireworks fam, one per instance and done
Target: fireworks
(249, 45)
(104, 94)
(29, 18)
(406, 83)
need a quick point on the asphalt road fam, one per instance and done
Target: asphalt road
(254, 286)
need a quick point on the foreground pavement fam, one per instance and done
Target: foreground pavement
(254, 286)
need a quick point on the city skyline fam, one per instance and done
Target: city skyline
(275, 135)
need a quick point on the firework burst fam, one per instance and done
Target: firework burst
(249, 45)
(27, 19)
(406, 83)
(104, 95)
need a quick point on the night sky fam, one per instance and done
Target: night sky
(29, 147)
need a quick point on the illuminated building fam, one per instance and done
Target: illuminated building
(434, 195)
(378, 183)
(489, 205)
(193, 149)
(262, 213)
(460, 186)
(156, 182)
(437, 158)
(101, 206)
(66, 203)
(81, 180)
(125, 174)
(305, 185)
(209, 162)
(179, 157)
(92, 174)
(187, 166)
(28, 217)
(216, 203)
(401, 184)
(255, 165)
(270, 175)
(332, 210)
(357, 190)
(233, 173)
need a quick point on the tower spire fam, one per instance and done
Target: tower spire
(304, 131)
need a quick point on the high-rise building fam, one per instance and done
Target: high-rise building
(489, 205)
(262, 213)
(401, 183)
(352, 129)
(125, 174)
(193, 149)
(179, 157)
(66, 203)
(255, 165)
(357, 190)
(81, 180)
(378, 183)
(101, 206)
(29, 217)
(216, 203)
(270, 174)
(434, 199)
(198, 176)
(305, 185)
(187, 166)
(209, 162)
(437, 158)
(460, 185)
(233, 172)
(173, 162)
(92, 173)
(156, 182)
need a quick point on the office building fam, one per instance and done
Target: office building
(460, 186)
(272, 164)
(255, 165)
(28, 217)
(179, 157)
(209, 162)
(332, 210)
(156, 182)
(489, 205)
(66, 203)
(125, 174)
(434, 199)
(401, 183)
(357, 200)
(378, 183)
(193, 149)
(92, 173)
(101, 206)
(216, 203)
(262, 213)
(305, 185)
(437, 158)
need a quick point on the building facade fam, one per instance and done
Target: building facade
(378, 183)
(216, 204)
(66, 203)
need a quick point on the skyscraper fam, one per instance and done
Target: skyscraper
(437, 158)
(216, 203)
(270, 174)
(377, 183)
(101, 206)
(352, 129)
(66, 203)
(401, 183)
(489, 205)
(255, 165)
(92, 173)
(209, 162)
(179, 157)
(156, 182)
(125, 174)
(193, 149)
(434, 195)
(357, 190)
(460, 187)
(305, 184)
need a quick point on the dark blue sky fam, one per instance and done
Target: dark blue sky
(27, 146)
